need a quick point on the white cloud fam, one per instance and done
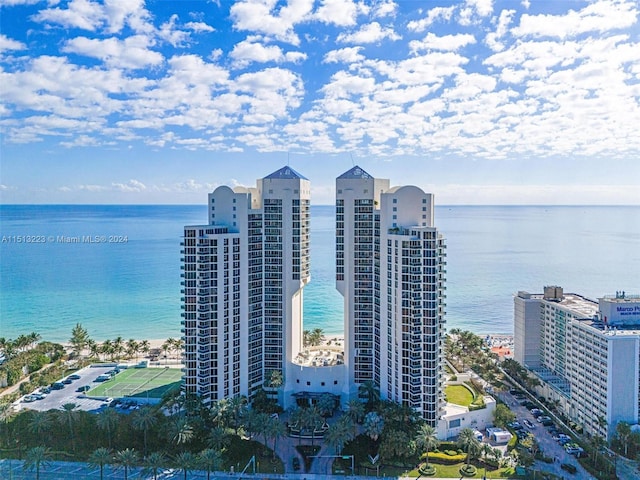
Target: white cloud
(433, 15)
(446, 42)
(249, 51)
(169, 33)
(343, 13)
(602, 16)
(369, 33)
(492, 38)
(12, 3)
(87, 15)
(131, 186)
(130, 53)
(474, 11)
(344, 55)
(199, 27)
(7, 43)
(386, 8)
(256, 16)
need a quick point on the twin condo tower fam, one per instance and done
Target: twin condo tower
(243, 278)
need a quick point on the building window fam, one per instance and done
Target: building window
(308, 383)
(322, 384)
(395, 200)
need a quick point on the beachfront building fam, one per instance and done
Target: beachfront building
(390, 270)
(243, 279)
(584, 352)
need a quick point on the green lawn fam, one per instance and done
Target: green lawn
(138, 382)
(459, 394)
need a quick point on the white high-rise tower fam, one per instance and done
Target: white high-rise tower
(243, 282)
(390, 269)
(243, 279)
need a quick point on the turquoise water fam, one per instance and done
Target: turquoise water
(132, 288)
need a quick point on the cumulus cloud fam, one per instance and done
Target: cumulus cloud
(132, 52)
(8, 44)
(369, 33)
(446, 42)
(343, 13)
(344, 55)
(111, 16)
(433, 15)
(598, 17)
(258, 16)
(250, 51)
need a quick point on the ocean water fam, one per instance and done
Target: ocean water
(131, 285)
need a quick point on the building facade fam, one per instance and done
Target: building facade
(243, 280)
(390, 270)
(585, 353)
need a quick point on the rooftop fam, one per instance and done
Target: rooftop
(286, 173)
(355, 172)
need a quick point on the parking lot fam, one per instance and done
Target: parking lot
(549, 447)
(69, 393)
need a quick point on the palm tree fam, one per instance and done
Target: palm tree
(276, 430)
(34, 338)
(126, 458)
(118, 347)
(340, 433)
(623, 432)
(99, 458)
(371, 392)
(154, 462)
(326, 404)
(107, 349)
(107, 420)
(355, 410)
(427, 439)
(373, 425)
(69, 416)
(144, 347)
(237, 406)
(144, 419)
(36, 458)
(219, 437)
(166, 346)
(186, 461)
(180, 431)
(6, 412)
(94, 348)
(39, 424)
(311, 420)
(210, 459)
(132, 348)
(468, 441)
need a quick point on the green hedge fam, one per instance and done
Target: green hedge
(444, 459)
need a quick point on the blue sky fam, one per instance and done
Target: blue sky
(477, 101)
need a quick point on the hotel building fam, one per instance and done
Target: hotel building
(585, 354)
(243, 279)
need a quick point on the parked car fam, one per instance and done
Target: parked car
(528, 423)
(295, 463)
(75, 376)
(536, 412)
(67, 381)
(57, 386)
(567, 467)
(83, 388)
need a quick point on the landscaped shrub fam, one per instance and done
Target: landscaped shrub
(444, 459)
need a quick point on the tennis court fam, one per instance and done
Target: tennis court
(139, 382)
